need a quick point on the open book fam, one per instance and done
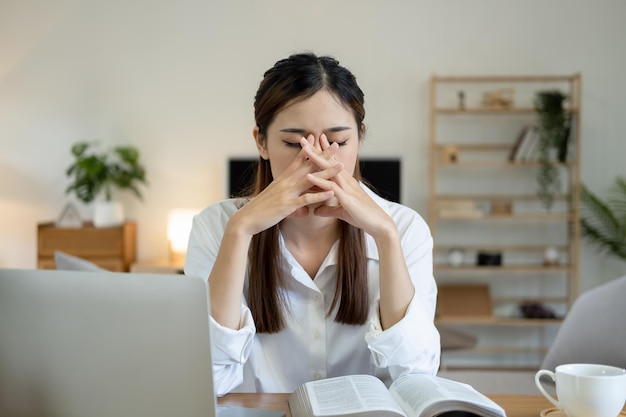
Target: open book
(409, 396)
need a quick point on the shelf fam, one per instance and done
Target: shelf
(477, 146)
(498, 164)
(479, 350)
(510, 300)
(499, 248)
(531, 369)
(159, 266)
(520, 217)
(494, 197)
(496, 321)
(508, 79)
(504, 268)
(112, 248)
(493, 110)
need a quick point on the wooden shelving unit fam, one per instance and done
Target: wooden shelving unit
(112, 248)
(481, 174)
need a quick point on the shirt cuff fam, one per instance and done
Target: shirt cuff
(412, 342)
(232, 346)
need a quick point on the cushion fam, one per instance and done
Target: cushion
(593, 331)
(455, 339)
(73, 263)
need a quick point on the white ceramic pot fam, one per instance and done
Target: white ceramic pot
(108, 214)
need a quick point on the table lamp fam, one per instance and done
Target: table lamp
(178, 229)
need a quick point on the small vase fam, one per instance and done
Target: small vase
(108, 214)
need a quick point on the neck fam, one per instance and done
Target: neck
(303, 231)
(309, 240)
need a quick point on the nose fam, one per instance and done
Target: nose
(316, 139)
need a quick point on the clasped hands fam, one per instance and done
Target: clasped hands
(315, 182)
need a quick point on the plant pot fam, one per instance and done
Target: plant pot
(108, 214)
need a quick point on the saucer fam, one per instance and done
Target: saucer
(555, 412)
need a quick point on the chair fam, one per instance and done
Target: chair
(594, 330)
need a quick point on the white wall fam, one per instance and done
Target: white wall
(177, 79)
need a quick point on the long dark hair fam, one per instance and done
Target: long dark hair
(290, 80)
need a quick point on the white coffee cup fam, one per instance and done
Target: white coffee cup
(587, 390)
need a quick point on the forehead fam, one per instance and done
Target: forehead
(319, 110)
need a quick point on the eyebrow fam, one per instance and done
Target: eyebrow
(303, 131)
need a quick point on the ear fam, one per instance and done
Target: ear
(261, 144)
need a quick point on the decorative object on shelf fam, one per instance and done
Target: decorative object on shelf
(489, 259)
(449, 154)
(551, 256)
(455, 257)
(553, 131)
(459, 209)
(499, 99)
(501, 208)
(603, 222)
(461, 94)
(69, 217)
(535, 310)
(94, 174)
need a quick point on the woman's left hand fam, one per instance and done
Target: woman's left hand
(356, 207)
(353, 204)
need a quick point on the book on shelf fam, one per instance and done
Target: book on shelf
(531, 151)
(526, 145)
(414, 395)
(518, 143)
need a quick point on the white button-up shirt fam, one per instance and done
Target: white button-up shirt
(312, 345)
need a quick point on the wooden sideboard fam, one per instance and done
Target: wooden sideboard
(112, 248)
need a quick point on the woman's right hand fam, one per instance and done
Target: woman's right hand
(288, 195)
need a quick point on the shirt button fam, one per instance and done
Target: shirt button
(317, 297)
(317, 375)
(317, 334)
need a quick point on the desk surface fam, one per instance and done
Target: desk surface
(514, 405)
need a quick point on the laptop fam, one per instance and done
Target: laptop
(105, 344)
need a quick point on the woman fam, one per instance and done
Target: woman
(313, 275)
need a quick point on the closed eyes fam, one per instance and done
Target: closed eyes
(292, 144)
(297, 144)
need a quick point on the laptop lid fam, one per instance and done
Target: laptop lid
(104, 344)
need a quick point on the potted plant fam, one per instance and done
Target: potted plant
(553, 135)
(96, 172)
(603, 222)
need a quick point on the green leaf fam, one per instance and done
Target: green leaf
(104, 170)
(604, 222)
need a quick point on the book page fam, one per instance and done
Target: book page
(427, 395)
(351, 394)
